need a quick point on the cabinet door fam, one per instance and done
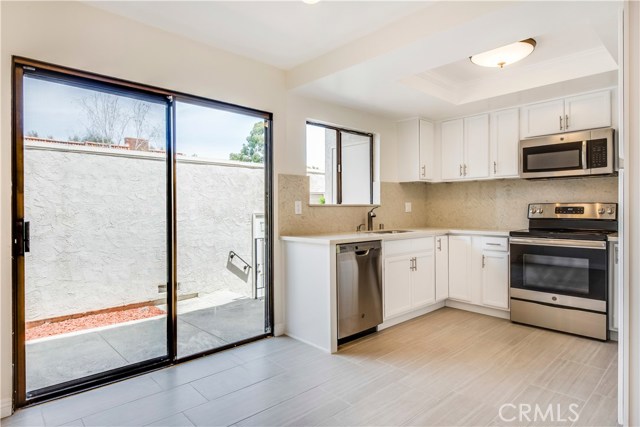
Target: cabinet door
(397, 285)
(544, 118)
(589, 111)
(408, 133)
(427, 149)
(442, 268)
(459, 267)
(505, 135)
(452, 136)
(495, 279)
(476, 147)
(423, 280)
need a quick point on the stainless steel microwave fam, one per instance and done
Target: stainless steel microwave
(590, 152)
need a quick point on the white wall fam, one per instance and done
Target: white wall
(79, 36)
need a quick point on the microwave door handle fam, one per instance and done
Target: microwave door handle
(584, 155)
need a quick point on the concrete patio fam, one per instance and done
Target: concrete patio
(62, 358)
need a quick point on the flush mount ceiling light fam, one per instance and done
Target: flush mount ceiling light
(310, 1)
(505, 55)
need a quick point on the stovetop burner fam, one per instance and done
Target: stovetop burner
(599, 235)
(577, 221)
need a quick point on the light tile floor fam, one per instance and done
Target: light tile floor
(449, 367)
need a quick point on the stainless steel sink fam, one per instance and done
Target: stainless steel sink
(390, 231)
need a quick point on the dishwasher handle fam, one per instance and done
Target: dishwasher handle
(362, 253)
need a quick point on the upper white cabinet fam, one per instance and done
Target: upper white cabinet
(504, 136)
(416, 147)
(465, 148)
(588, 111)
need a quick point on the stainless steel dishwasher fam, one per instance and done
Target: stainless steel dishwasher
(359, 282)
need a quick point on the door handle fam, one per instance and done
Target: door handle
(560, 122)
(440, 244)
(424, 171)
(495, 168)
(415, 264)
(482, 261)
(465, 169)
(22, 239)
(460, 169)
(566, 121)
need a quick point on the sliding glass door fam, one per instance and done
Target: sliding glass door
(220, 181)
(141, 229)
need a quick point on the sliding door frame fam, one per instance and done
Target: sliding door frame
(19, 64)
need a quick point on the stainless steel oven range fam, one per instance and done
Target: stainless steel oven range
(559, 267)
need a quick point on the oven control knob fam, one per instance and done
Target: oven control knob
(540, 211)
(600, 211)
(532, 211)
(610, 211)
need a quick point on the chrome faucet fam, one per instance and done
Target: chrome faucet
(370, 215)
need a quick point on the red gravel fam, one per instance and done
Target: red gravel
(91, 321)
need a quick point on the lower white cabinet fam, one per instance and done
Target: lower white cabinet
(460, 268)
(479, 270)
(442, 267)
(495, 279)
(409, 275)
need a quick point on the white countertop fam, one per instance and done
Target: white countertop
(364, 236)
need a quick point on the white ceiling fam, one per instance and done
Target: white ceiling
(402, 59)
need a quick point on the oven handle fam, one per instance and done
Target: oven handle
(564, 243)
(584, 155)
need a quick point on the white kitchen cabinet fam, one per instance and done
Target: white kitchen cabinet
(409, 275)
(504, 137)
(452, 149)
(479, 270)
(592, 110)
(460, 268)
(442, 268)
(416, 148)
(476, 147)
(588, 111)
(495, 279)
(465, 148)
(397, 285)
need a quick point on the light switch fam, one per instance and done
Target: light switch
(407, 206)
(298, 207)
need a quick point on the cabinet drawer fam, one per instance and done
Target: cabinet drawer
(399, 247)
(495, 244)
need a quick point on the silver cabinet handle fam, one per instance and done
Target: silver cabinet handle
(584, 155)
(495, 168)
(492, 244)
(560, 122)
(461, 170)
(465, 169)
(415, 264)
(566, 121)
(440, 244)
(482, 261)
(616, 254)
(424, 171)
(411, 264)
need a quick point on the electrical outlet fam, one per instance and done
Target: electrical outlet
(407, 206)
(298, 207)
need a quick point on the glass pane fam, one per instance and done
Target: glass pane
(322, 165)
(95, 198)
(356, 169)
(559, 274)
(220, 185)
(558, 160)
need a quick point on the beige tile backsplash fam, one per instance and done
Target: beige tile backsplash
(494, 204)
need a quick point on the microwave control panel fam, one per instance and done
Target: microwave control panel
(598, 153)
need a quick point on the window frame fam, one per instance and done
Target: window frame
(338, 170)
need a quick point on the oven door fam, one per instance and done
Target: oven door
(570, 273)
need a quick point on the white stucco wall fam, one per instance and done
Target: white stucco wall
(98, 227)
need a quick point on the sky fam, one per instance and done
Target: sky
(54, 110)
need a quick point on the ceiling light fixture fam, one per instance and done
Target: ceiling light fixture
(505, 55)
(311, 1)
